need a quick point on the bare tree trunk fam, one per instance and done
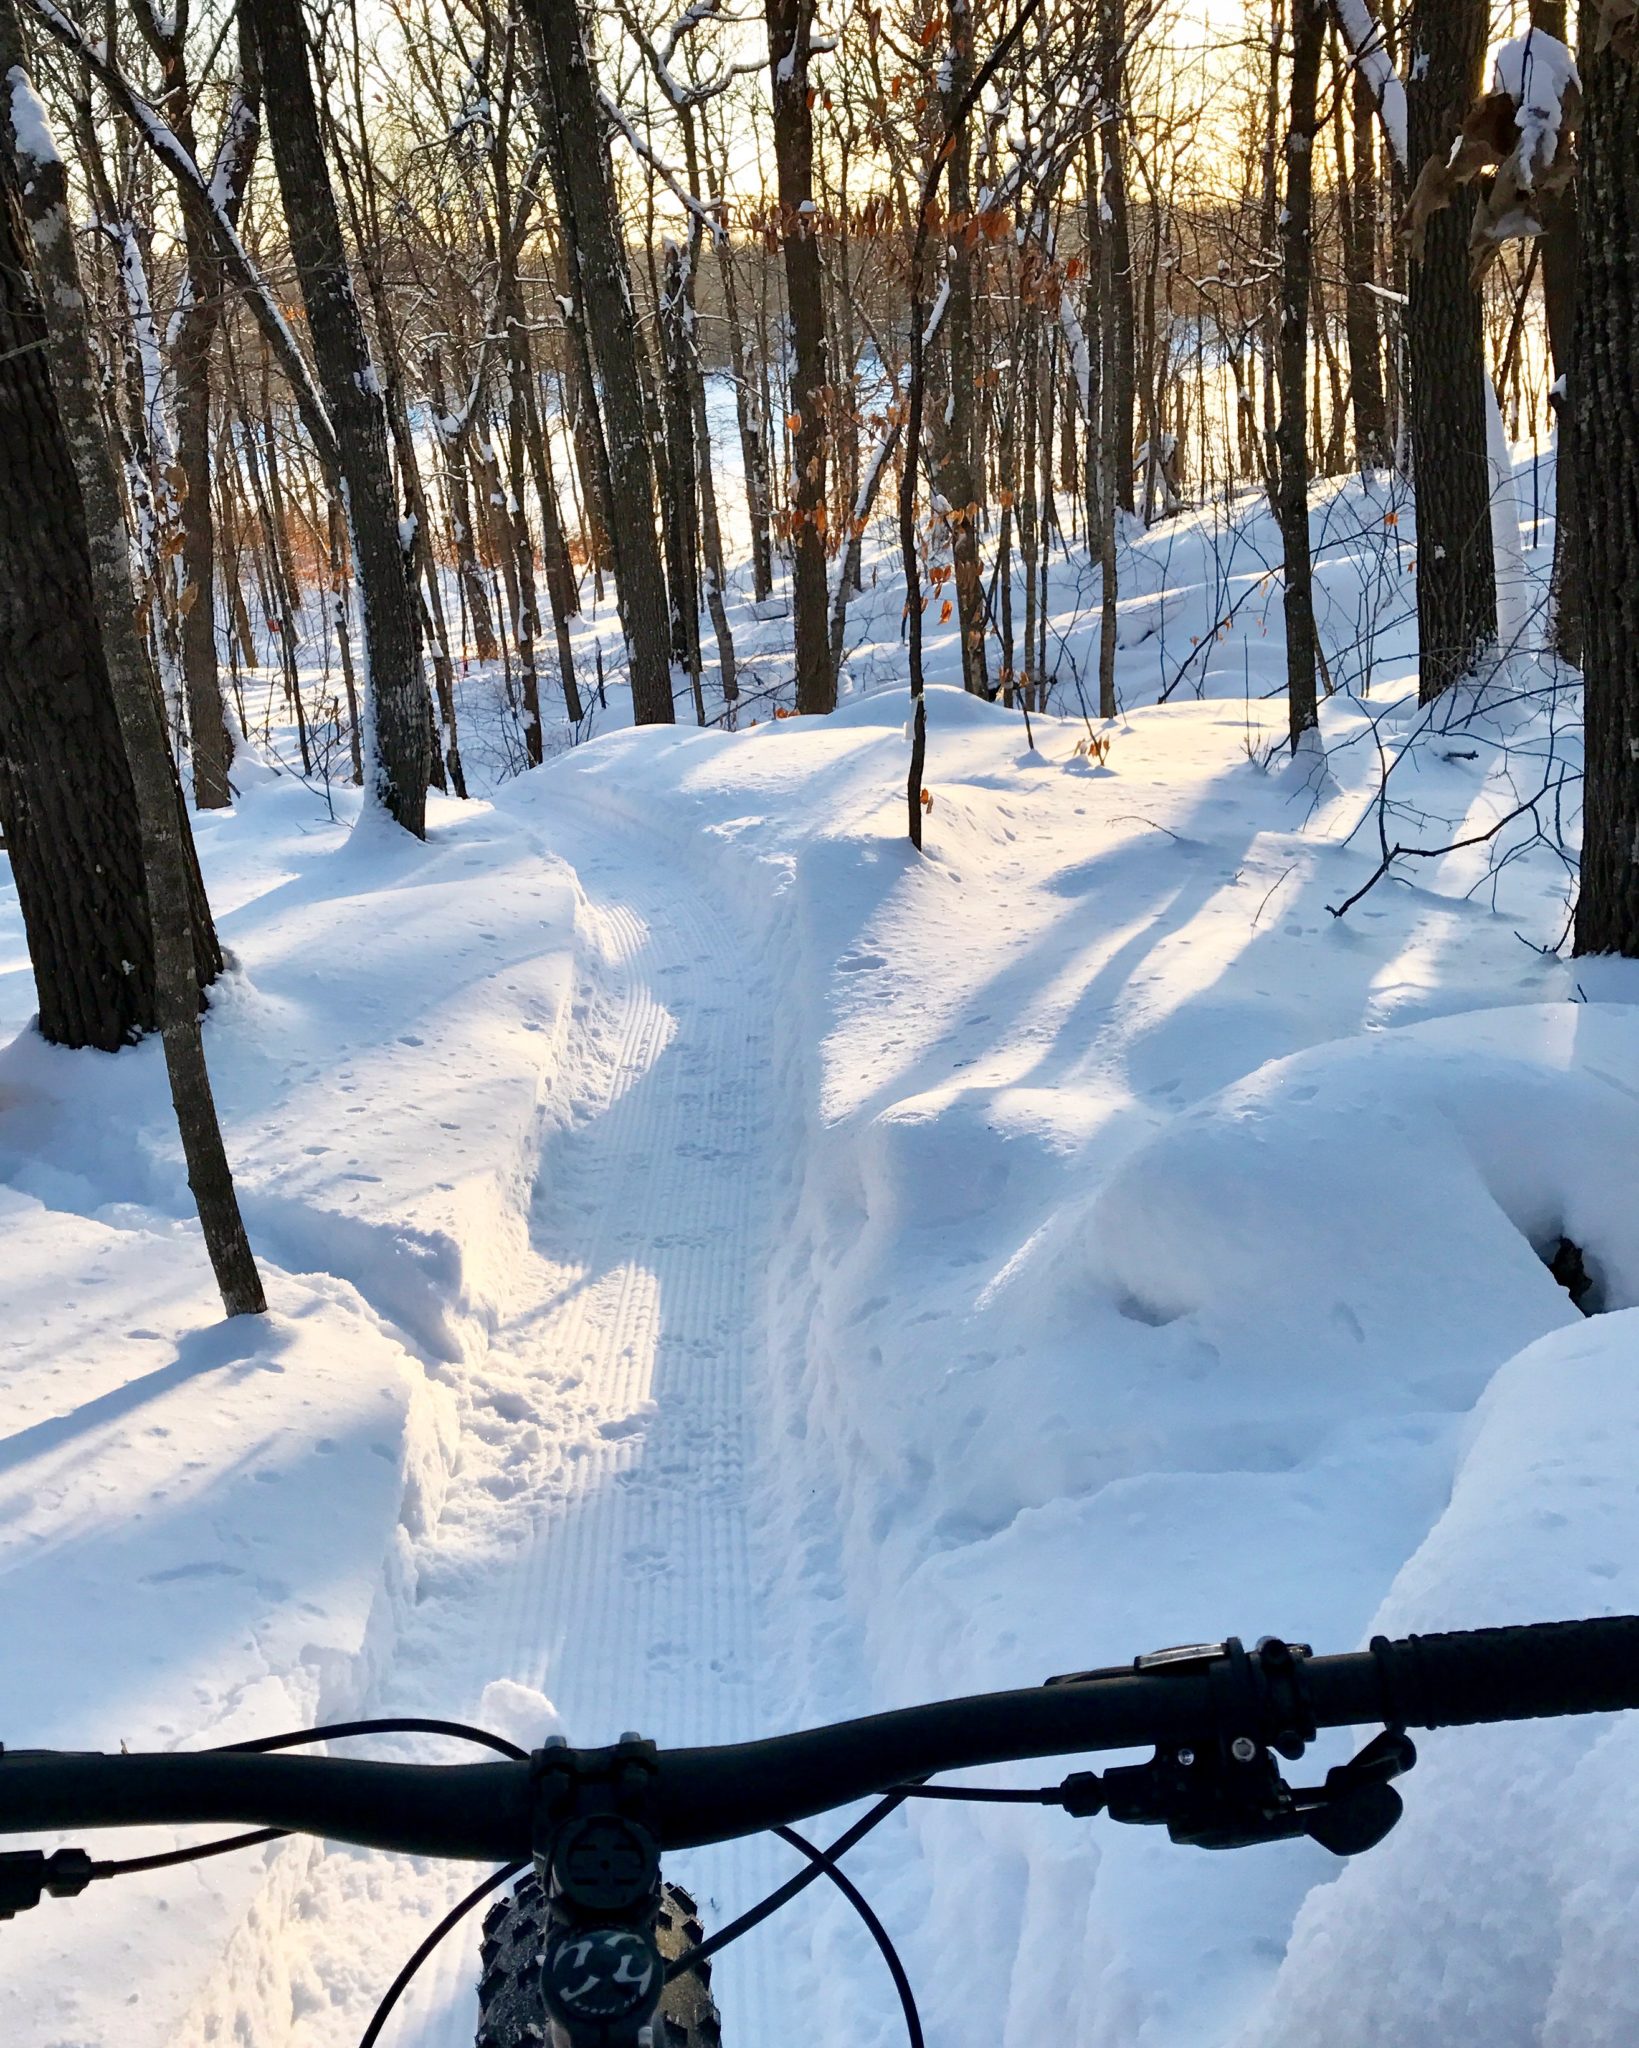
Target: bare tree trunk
(400, 713)
(963, 485)
(344, 638)
(1270, 322)
(1115, 415)
(679, 406)
(586, 432)
(560, 581)
(579, 160)
(1456, 573)
(1118, 267)
(1297, 263)
(66, 802)
(1371, 420)
(1605, 415)
(453, 434)
(528, 629)
(163, 823)
(1561, 247)
(748, 406)
(711, 537)
(790, 31)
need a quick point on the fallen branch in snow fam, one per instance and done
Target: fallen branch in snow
(1554, 787)
(1553, 778)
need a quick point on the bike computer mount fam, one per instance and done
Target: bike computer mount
(1226, 1791)
(599, 1863)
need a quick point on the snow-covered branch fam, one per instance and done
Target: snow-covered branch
(705, 215)
(197, 191)
(1368, 51)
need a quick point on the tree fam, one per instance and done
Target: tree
(1561, 260)
(1297, 261)
(137, 703)
(790, 45)
(1371, 421)
(400, 710)
(1456, 571)
(1605, 432)
(578, 157)
(67, 805)
(198, 317)
(961, 480)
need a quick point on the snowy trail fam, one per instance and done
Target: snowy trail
(593, 1544)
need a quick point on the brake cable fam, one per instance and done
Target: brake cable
(397, 1725)
(824, 1860)
(783, 1894)
(452, 1918)
(27, 1874)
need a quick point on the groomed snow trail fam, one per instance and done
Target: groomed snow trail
(593, 1544)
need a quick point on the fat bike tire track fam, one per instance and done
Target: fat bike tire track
(595, 1539)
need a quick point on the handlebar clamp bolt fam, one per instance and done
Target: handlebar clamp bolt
(1186, 1757)
(1243, 1749)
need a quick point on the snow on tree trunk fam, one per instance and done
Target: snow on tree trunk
(1514, 590)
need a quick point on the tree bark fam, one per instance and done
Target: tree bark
(1605, 428)
(1118, 266)
(67, 806)
(748, 409)
(673, 313)
(579, 161)
(962, 483)
(1561, 260)
(1456, 574)
(790, 31)
(162, 821)
(1297, 265)
(454, 432)
(1361, 323)
(400, 711)
(212, 740)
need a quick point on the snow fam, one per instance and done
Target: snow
(1537, 72)
(730, 1272)
(30, 124)
(1364, 37)
(1515, 596)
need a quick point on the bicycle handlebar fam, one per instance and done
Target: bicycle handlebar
(487, 1812)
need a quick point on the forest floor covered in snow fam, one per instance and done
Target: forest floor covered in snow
(730, 1271)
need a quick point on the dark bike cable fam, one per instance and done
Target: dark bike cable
(785, 1893)
(130, 1865)
(987, 1795)
(823, 1860)
(399, 1725)
(457, 1913)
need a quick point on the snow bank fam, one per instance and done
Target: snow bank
(1500, 1909)
(214, 1530)
(1094, 1325)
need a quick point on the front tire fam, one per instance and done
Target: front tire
(511, 2010)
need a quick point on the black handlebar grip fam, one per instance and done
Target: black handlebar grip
(1510, 1674)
